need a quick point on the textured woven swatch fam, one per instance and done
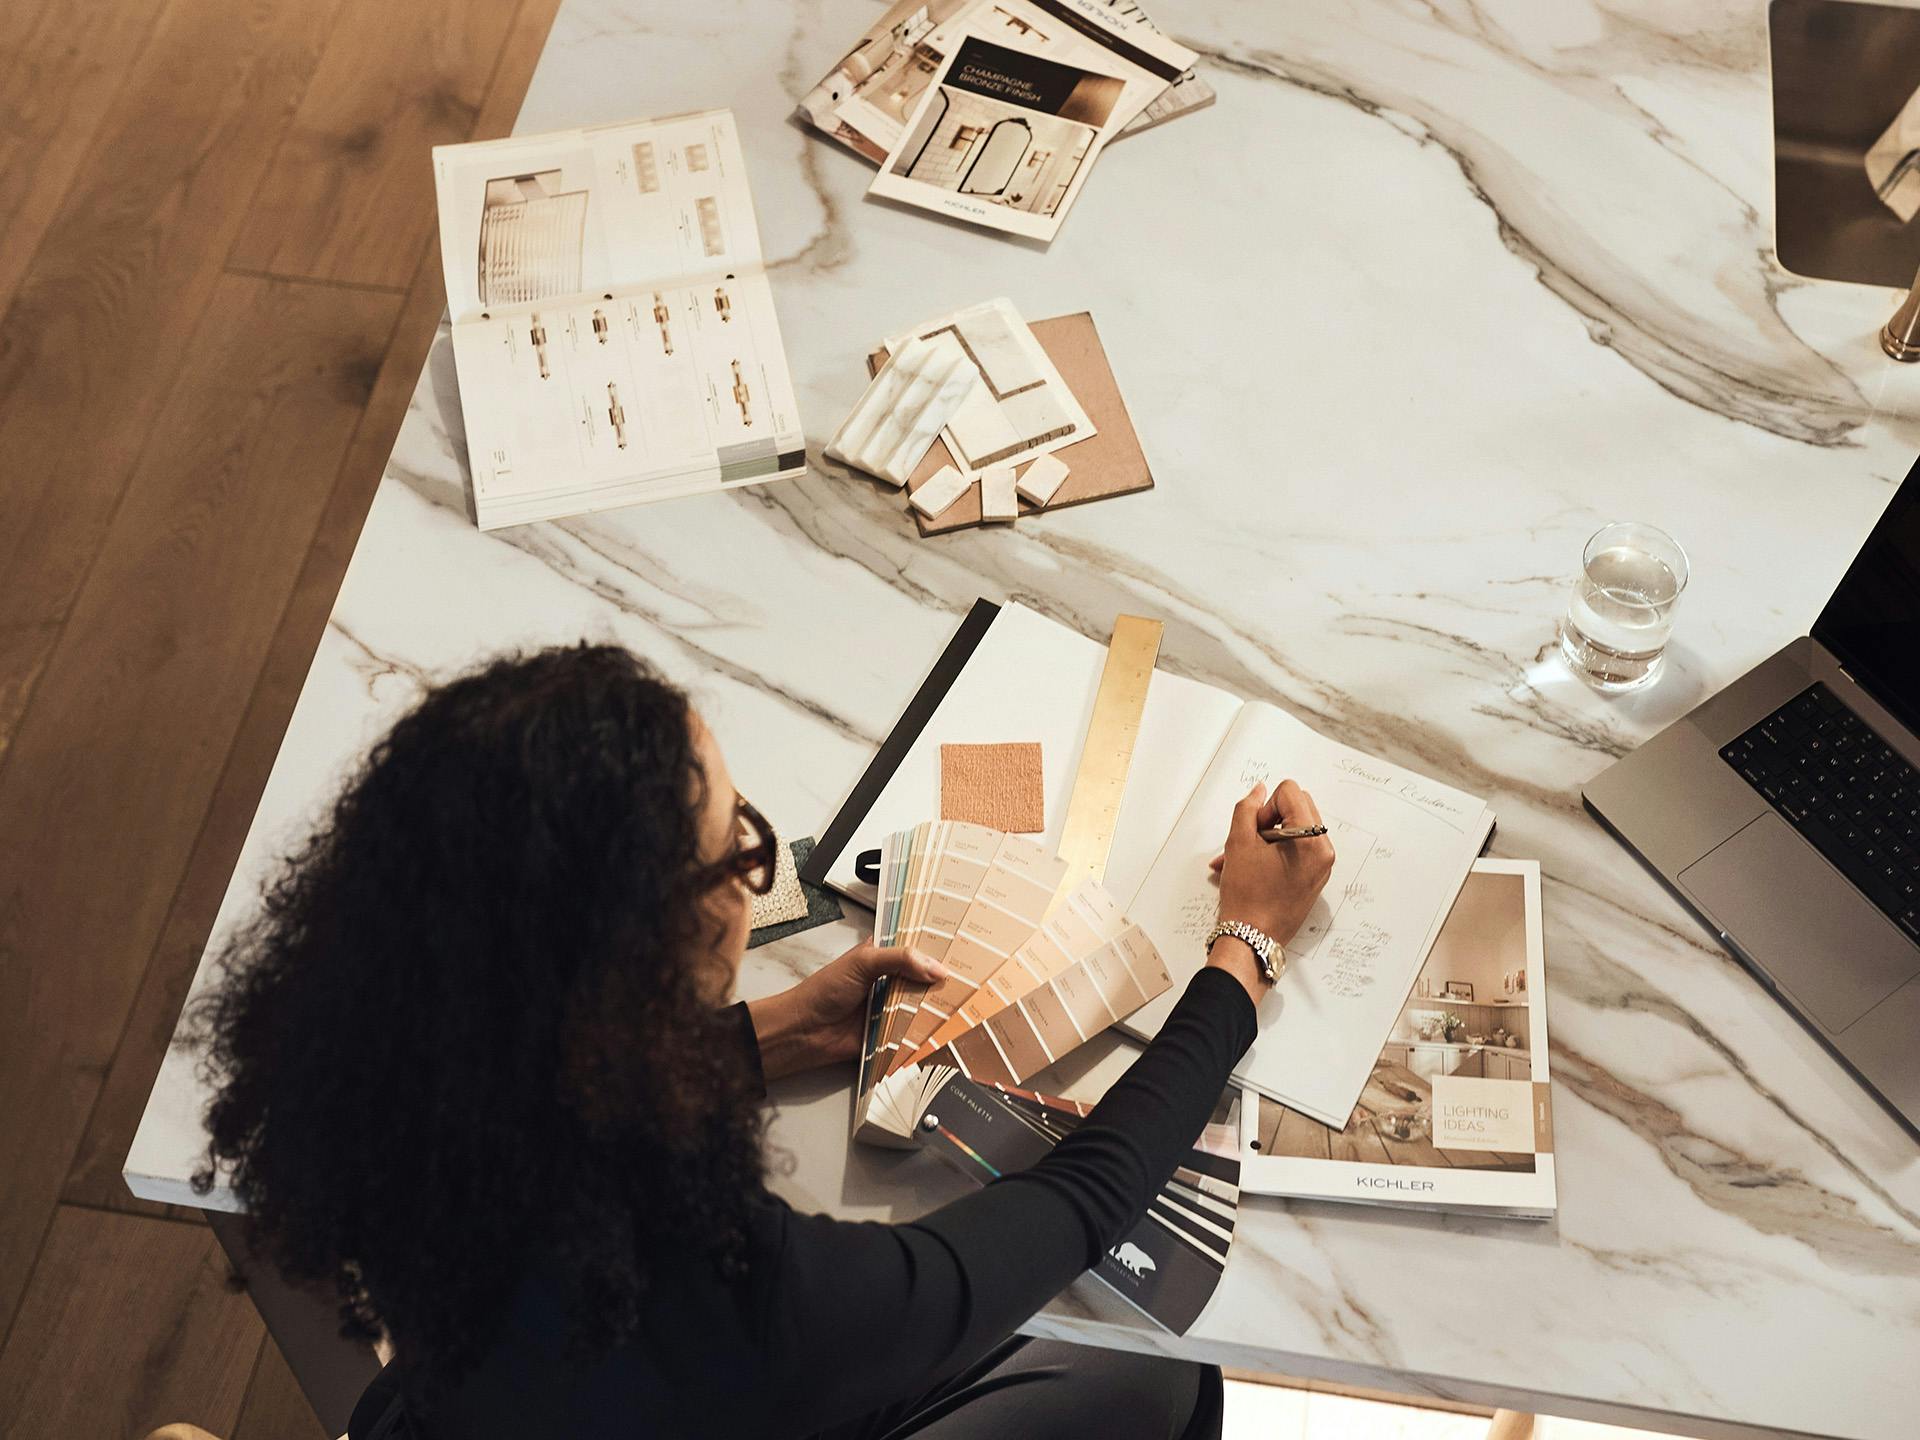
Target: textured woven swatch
(786, 901)
(994, 785)
(822, 908)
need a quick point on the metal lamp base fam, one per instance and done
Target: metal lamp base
(1900, 336)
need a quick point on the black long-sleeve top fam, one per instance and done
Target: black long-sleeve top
(835, 1319)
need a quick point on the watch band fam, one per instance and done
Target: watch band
(1263, 946)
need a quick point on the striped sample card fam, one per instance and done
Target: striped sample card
(1170, 1263)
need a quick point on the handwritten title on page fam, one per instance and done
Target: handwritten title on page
(1450, 807)
(1474, 1114)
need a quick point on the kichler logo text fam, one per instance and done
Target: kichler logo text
(1389, 1182)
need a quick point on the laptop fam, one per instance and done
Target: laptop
(1785, 811)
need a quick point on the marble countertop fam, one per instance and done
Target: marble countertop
(1430, 294)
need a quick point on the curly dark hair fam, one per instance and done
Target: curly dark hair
(464, 1023)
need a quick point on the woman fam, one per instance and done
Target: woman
(474, 1067)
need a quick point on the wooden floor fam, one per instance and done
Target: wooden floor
(218, 281)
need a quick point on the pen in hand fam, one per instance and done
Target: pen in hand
(1293, 832)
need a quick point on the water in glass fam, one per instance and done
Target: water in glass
(1621, 611)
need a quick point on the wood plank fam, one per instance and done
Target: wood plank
(349, 196)
(274, 1405)
(519, 57)
(1419, 1151)
(1358, 1143)
(275, 1408)
(61, 64)
(1486, 1159)
(107, 781)
(1300, 1136)
(113, 298)
(332, 1371)
(1272, 1113)
(366, 462)
(1387, 1397)
(23, 655)
(129, 1324)
(95, 1176)
(318, 559)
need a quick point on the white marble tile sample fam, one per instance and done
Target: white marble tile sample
(999, 498)
(1042, 479)
(1024, 407)
(905, 407)
(1001, 345)
(945, 486)
(980, 432)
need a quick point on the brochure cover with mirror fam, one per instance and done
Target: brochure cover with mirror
(1457, 1113)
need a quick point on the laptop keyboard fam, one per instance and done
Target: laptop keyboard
(1843, 788)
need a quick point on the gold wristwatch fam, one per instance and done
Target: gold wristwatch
(1264, 949)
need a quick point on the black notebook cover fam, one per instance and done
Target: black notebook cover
(905, 732)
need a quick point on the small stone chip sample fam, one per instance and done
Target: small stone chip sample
(940, 490)
(999, 786)
(1041, 480)
(998, 500)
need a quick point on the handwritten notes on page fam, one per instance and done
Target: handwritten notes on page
(1402, 844)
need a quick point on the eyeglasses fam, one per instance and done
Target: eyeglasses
(755, 852)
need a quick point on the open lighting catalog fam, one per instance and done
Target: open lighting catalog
(613, 326)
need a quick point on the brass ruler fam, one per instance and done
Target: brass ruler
(1093, 810)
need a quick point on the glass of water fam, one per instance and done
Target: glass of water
(1621, 610)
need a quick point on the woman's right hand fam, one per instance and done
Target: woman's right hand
(1272, 884)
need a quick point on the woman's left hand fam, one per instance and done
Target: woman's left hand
(820, 1020)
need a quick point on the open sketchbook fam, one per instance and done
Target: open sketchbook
(1404, 842)
(1457, 1113)
(865, 101)
(613, 326)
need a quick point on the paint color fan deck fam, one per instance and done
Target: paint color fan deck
(1028, 979)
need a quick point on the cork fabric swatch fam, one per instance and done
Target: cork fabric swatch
(994, 785)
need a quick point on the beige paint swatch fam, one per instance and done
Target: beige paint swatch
(1087, 919)
(1059, 1016)
(996, 785)
(951, 862)
(1008, 908)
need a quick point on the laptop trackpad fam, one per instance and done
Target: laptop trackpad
(1818, 937)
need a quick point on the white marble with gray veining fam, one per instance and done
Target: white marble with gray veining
(1433, 291)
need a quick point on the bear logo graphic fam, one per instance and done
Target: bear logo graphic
(1135, 1259)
